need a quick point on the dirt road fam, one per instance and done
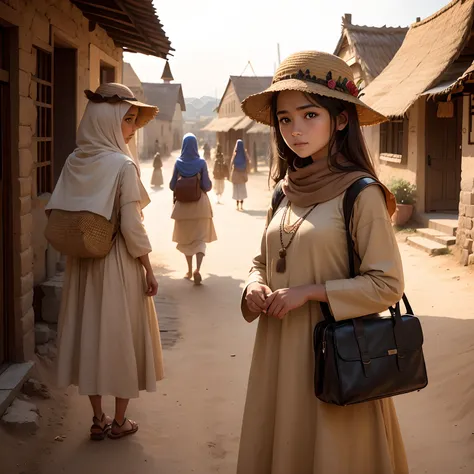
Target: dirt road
(192, 423)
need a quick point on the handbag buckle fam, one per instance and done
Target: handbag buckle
(392, 352)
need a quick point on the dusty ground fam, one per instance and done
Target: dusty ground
(192, 423)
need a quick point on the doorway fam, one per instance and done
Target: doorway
(6, 228)
(443, 158)
(64, 100)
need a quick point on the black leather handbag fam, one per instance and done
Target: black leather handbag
(369, 357)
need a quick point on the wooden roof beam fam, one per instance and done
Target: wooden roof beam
(137, 26)
(99, 7)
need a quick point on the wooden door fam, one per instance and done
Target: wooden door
(443, 159)
(2, 235)
(5, 232)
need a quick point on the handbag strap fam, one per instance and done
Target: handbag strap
(350, 198)
(348, 207)
(277, 197)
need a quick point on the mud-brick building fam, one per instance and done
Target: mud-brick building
(165, 132)
(231, 124)
(50, 51)
(427, 93)
(368, 49)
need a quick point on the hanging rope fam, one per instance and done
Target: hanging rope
(251, 67)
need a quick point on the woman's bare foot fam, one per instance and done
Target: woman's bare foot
(128, 427)
(188, 276)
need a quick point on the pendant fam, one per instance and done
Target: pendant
(281, 262)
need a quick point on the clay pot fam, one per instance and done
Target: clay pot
(402, 214)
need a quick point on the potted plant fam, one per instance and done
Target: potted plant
(405, 194)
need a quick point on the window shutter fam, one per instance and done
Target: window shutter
(383, 137)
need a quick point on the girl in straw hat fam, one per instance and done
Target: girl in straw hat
(314, 110)
(109, 340)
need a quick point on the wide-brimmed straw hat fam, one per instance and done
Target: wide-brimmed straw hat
(316, 73)
(112, 93)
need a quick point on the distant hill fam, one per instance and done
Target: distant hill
(198, 108)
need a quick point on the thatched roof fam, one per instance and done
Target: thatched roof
(132, 24)
(165, 97)
(222, 124)
(430, 48)
(374, 47)
(246, 85)
(243, 87)
(259, 128)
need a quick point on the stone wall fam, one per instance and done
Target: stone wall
(39, 21)
(465, 233)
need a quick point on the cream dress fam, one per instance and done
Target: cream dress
(109, 339)
(193, 225)
(286, 429)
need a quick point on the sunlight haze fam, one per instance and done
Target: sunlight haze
(214, 39)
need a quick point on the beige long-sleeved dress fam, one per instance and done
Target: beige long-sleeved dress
(109, 339)
(286, 429)
(193, 225)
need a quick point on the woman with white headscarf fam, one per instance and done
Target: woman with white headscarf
(109, 340)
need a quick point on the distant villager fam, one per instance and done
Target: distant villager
(157, 178)
(207, 151)
(239, 164)
(220, 173)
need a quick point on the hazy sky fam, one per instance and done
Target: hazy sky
(216, 38)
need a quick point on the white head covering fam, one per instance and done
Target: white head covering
(90, 176)
(100, 130)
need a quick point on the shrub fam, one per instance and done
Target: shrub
(404, 191)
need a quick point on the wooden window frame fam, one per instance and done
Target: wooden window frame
(471, 121)
(107, 69)
(395, 149)
(44, 136)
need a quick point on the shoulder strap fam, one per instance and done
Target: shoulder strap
(348, 206)
(277, 197)
(350, 198)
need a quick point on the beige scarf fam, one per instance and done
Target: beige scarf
(317, 183)
(90, 176)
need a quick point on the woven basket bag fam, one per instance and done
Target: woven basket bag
(82, 234)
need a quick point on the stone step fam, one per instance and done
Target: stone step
(447, 226)
(11, 382)
(437, 236)
(427, 245)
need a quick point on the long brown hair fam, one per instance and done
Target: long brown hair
(349, 141)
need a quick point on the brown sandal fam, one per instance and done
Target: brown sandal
(197, 278)
(97, 432)
(121, 434)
